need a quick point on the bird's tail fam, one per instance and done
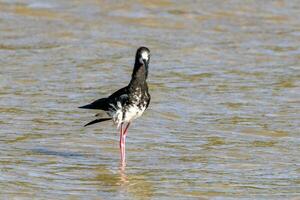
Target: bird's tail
(97, 121)
(100, 104)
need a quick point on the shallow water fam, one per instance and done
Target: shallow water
(224, 118)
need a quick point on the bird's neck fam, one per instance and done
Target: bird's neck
(139, 73)
(139, 76)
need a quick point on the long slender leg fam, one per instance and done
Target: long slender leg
(123, 134)
(121, 143)
(126, 129)
(123, 156)
(123, 151)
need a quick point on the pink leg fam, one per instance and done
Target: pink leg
(123, 142)
(126, 129)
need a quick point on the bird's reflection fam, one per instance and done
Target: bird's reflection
(122, 172)
(124, 181)
(134, 184)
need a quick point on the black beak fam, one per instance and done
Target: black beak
(145, 63)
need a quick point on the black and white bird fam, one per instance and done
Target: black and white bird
(128, 103)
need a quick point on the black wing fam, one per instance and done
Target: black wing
(116, 95)
(104, 103)
(120, 96)
(100, 104)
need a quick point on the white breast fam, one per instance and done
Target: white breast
(133, 112)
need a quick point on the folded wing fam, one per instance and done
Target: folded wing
(100, 104)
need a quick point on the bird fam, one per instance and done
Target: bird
(127, 103)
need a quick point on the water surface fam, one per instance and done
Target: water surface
(224, 118)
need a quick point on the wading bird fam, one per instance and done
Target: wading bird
(128, 103)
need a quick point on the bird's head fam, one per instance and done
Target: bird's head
(143, 56)
(142, 59)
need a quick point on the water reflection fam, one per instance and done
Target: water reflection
(133, 184)
(122, 172)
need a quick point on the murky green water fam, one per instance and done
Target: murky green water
(224, 118)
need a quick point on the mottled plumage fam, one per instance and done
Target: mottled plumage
(128, 103)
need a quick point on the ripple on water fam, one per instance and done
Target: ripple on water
(224, 116)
